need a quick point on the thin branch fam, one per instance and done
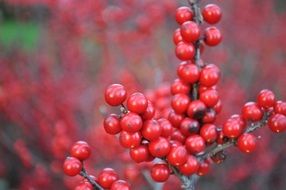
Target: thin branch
(95, 185)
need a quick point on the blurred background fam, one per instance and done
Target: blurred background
(56, 58)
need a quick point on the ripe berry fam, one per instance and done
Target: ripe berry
(218, 107)
(131, 122)
(178, 136)
(204, 169)
(250, 111)
(120, 185)
(160, 172)
(151, 130)
(196, 109)
(80, 150)
(177, 36)
(159, 147)
(72, 166)
(115, 94)
(84, 186)
(177, 156)
(209, 75)
(175, 119)
(209, 97)
(233, 127)
(212, 36)
(183, 14)
(195, 144)
(190, 167)
(210, 116)
(149, 112)
(130, 140)
(277, 123)
(188, 72)
(112, 124)
(166, 126)
(189, 126)
(211, 13)
(180, 103)
(185, 51)
(140, 153)
(266, 99)
(246, 143)
(179, 87)
(280, 107)
(106, 177)
(209, 133)
(137, 103)
(190, 31)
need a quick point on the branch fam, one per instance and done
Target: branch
(95, 185)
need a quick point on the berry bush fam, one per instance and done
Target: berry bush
(106, 100)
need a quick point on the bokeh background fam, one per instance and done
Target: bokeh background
(57, 56)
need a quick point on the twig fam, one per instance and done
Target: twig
(95, 185)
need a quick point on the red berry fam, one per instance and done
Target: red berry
(188, 72)
(175, 119)
(195, 144)
(209, 133)
(177, 36)
(166, 126)
(196, 109)
(280, 107)
(160, 172)
(137, 103)
(115, 94)
(80, 150)
(266, 99)
(106, 177)
(246, 143)
(72, 166)
(131, 122)
(140, 153)
(151, 130)
(130, 140)
(183, 14)
(233, 127)
(210, 116)
(149, 112)
(112, 124)
(218, 107)
(178, 136)
(159, 147)
(180, 103)
(189, 126)
(209, 97)
(190, 31)
(209, 75)
(177, 156)
(120, 185)
(211, 13)
(212, 36)
(179, 87)
(277, 123)
(84, 186)
(190, 167)
(250, 111)
(185, 51)
(204, 169)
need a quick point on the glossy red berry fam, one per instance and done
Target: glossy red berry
(246, 143)
(137, 103)
(159, 147)
(177, 156)
(209, 133)
(107, 177)
(72, 166)
(195, 144)
(115, 94)
(212, 13)
(160, 172)
(149, 112)
(196, 109)
(188, 72)
(140, 153)
(189, 126)
(251, 112)
(210, 116)
(204, 169)
(80, 150)
(213, 36)
(190, 31)
(185, 51)
(190, 167)
(177, 36)
(178, 136)
(183, 14)
(277, 123)
(266, 98)
(131, 122)
(120, 185)
(151, 130)
(166, 126)
(209, 97)
(175, 119)
(130, 140)
(280, 107)
(209, 75)
(111, 124)
(180, 103)
(233, 127)
(179, 87)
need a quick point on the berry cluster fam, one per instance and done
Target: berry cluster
(107, 178)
